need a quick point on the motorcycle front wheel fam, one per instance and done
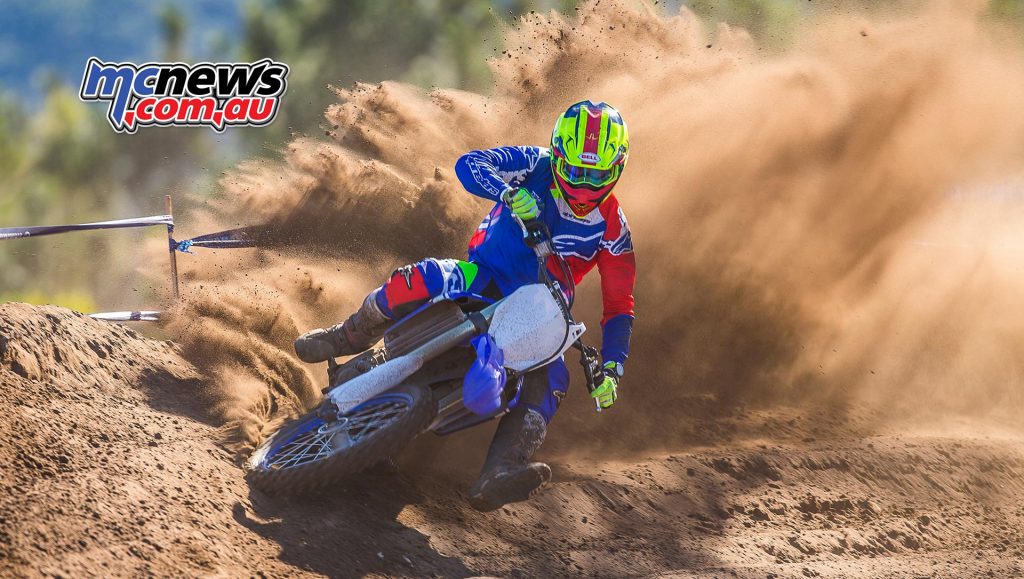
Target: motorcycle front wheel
(309, 453)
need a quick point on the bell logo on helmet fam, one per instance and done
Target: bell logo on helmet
(592, 158)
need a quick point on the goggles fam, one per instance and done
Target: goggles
(586, 176)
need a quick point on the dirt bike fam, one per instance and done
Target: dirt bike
(454, 363)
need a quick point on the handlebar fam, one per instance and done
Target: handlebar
(535, 232)
(591, 368)
(537, 237)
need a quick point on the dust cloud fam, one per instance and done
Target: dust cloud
(812, 225)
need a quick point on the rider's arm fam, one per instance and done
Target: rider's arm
(490, 172)
(617, 264)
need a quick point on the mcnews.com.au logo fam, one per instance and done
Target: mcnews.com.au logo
(204, 94)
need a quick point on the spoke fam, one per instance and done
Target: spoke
(294, 446)
(304, 453)
(298, 450)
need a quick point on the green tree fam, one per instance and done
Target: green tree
(64, 164)
(427, 42)
(771, 21)
(1007, 8)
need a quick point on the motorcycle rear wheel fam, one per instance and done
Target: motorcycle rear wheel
(308, 453)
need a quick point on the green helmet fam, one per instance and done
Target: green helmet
(589, 148)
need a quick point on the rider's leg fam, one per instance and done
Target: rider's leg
(508, 475)
(408, 288)
(352, 336)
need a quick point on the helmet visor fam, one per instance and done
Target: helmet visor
(586, 176)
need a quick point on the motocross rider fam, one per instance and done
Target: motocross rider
(569, 187)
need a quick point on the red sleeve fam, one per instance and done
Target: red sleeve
(617, 263)
(618, 275)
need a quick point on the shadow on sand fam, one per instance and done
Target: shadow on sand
(352, 530)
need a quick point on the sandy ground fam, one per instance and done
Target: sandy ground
(111, 466)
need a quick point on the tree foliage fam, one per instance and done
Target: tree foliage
(60, 162)
(443, 42)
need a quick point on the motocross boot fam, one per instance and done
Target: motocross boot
(507, 476)
(360, 331)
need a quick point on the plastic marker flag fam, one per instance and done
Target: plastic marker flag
(138, 316)
(39, 230)
(230, 239)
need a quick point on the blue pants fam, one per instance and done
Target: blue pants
(411, 286)
(544, 388)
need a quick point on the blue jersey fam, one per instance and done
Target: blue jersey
(600, 238)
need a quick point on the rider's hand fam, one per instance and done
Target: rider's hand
(524, 205)
(607, 391)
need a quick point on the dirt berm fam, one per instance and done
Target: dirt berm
(110, 466)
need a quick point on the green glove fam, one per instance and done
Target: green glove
(607, 391)
(524, 205)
